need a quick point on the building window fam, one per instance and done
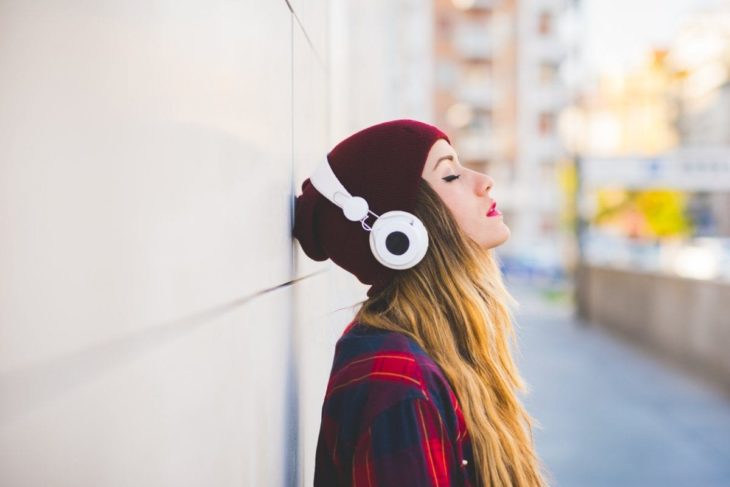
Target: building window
(478, 73)
(547, 73)
(472, 40)
(544, 25)
(446, 75)
(485, 65)
(546, 123)
(482, 120)
(444, 26)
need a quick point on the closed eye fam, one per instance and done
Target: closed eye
(450, 178)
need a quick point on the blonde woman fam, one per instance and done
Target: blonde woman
(422, 390)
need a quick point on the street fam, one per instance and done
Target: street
(611, 414)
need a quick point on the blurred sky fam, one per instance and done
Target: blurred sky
(618, 33)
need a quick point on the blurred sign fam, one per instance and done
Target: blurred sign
(689, 169)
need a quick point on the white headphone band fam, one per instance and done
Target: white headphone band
(327, 184)
(325, 181)
(387, 234)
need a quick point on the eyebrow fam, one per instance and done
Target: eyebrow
(451, 158)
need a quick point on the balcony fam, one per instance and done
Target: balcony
(478, 95)
(473, 42)
(474, 5)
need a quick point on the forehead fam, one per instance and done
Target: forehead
(439, 149)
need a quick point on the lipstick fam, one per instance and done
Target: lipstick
(493, 211)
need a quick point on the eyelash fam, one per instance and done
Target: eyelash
(448, 179)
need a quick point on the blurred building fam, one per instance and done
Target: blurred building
(467, 91)
(701, 52)
(665, 124)
(655, 179)
(705, 120)
(632, 114)
(679, 95)
(499, 93)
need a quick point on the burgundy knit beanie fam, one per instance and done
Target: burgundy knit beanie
(383, 164)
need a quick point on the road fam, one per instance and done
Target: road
(610, 414)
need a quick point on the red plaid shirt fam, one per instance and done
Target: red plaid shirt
(390, 417)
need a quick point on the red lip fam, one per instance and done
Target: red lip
(493, 211)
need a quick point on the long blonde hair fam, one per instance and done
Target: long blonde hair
(455, 306)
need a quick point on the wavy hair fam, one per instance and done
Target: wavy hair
(455, 306)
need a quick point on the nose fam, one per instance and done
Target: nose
(484, 183)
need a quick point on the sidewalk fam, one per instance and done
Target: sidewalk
(609, 414)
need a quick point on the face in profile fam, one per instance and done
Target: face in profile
(466, 193)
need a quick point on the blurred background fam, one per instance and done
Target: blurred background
(158, 324)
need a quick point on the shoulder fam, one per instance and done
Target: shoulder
(386, 391)
(375, 369)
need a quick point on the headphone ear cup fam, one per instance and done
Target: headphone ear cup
(398, 240)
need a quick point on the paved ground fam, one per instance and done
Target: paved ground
(612, 416)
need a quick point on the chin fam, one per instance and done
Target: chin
(496, 241)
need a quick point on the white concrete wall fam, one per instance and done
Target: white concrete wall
(158, 325)
(148, 153)
(385, 66)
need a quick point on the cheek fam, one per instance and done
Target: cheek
(456, 205)
(466, 216)
(471, 220)
(467, 219)
(477, 228)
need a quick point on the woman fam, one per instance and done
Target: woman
(423, 386)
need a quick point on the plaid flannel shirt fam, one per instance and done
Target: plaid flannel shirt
(390, 417)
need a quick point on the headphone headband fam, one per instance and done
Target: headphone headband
(398, 239)
(325, 181)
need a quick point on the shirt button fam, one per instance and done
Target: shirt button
(464, 462)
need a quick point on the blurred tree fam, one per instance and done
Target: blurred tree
(652, 213)
(664, 212)
(567, 176)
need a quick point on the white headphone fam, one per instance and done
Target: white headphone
(398, 239)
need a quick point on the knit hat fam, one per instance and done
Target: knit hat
(383, 164)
